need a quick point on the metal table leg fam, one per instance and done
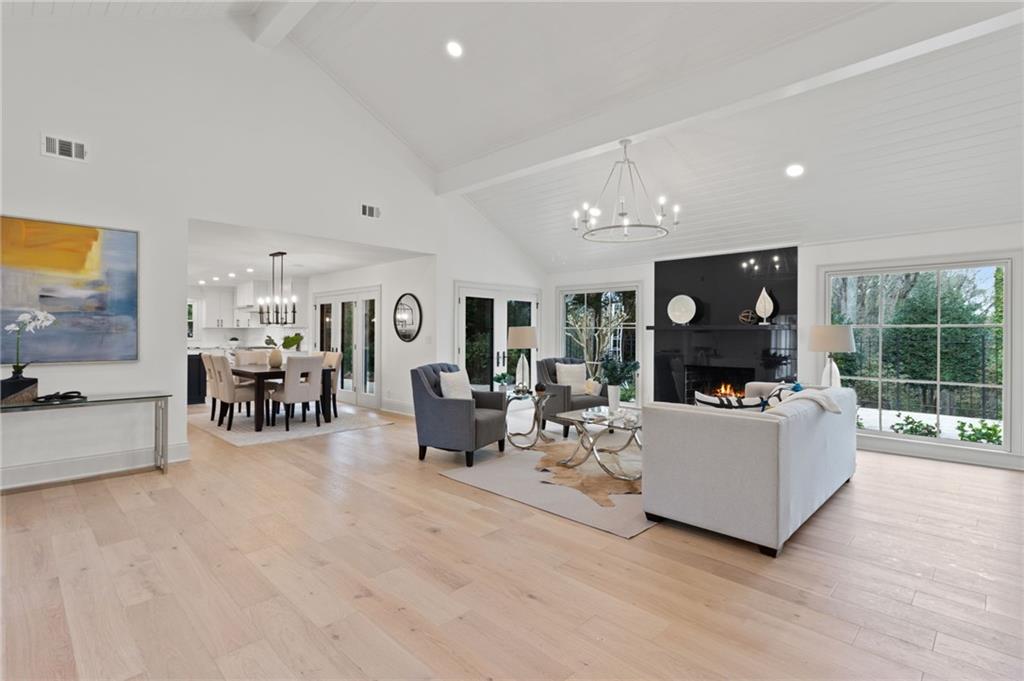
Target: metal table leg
(535, 431)
(160, 434)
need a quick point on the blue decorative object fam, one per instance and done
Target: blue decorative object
(797, 387)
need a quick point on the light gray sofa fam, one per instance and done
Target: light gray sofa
(455, 425)
(754, 476)
(560, 400)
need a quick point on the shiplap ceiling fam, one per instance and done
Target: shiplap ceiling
(922, 141)
(102, 8)
(929, 144)
(215, 248)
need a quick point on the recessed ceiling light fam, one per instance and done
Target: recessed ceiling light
(202, 281)
(216, 278)
(249, 270)
(794, 170)
(454, 49)
(231, 274)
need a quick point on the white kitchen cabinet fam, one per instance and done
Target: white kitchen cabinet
(248, 292)
(219, 308)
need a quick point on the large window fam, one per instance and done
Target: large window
(597, 323)
(931, 350)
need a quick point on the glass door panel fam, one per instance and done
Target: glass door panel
(325, 340)
(348, 321)
(519, 313)
(369, 346)
(479, 345)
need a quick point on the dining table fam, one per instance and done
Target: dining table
(261, 373)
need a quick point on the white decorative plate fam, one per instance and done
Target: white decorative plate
(682, 309)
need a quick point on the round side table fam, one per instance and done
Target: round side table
(535, 433)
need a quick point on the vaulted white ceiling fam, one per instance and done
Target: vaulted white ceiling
(906, 115)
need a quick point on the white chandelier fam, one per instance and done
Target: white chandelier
(628, 221)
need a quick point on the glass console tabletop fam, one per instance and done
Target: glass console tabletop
(90, 400)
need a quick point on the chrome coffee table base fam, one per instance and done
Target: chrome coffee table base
(588, 444)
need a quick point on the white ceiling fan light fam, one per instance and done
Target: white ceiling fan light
(454, 49)
(794, 170)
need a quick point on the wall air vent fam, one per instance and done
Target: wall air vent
(61, 147)
(371, 211)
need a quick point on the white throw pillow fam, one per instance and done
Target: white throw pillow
(592, 387)
(455, 384)
(819, 397)
(572, 375)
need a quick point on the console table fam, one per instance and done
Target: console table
(159, 400)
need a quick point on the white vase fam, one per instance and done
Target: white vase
(613, 398)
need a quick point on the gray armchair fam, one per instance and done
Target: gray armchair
(452, 424)
(561, 400)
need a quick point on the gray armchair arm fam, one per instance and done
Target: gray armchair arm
(486, 399)
(559, 400)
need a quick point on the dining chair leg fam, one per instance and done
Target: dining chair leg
(213, 408)
(316, 410)
(334, 401)
(231, 415)
(287, 417)
(266, 411)
(273, 413)
(248, 409)
(223, 413)
(305, 408)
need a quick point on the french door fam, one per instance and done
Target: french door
(346, 322)
(484, 316)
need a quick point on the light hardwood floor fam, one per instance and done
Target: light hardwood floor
(345, 557)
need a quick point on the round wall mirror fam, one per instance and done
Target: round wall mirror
(408, 317)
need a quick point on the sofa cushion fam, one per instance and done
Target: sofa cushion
(572, 375)
(455, 384)
(702, 400)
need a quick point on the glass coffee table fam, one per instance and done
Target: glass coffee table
(592, 426)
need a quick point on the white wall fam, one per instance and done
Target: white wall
(415, 276)
(937, 247)
(187, 119)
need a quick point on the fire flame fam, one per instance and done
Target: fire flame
(726, 390)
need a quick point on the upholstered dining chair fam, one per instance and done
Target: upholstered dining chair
(561, 398)
(252, 357)
(211, 382)
(303, 383)
(332, 360)
(229, 392)
(455, 424)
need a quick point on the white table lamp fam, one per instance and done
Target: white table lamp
(522, 338)
(831, 339)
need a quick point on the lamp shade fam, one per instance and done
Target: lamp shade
(522, 337)
(829, 338)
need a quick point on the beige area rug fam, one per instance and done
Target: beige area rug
(585, 494)
(243, 433)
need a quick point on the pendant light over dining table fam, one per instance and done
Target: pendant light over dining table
(630, 213)
(276, 308)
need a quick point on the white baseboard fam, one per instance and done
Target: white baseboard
(940, 451)
(24, 475)
(397, 407)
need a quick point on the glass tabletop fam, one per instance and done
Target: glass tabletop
(625, 417)
(94, 399)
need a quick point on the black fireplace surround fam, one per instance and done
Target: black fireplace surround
(716, 349)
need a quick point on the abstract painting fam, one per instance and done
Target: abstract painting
(87, 277)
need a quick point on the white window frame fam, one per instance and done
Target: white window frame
(636, 286)
(1008, 325)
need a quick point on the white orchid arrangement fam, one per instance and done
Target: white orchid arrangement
(27, 321)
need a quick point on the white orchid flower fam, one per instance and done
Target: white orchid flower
(25, 317)
(12, 327)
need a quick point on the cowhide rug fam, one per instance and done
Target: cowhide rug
(588, 478)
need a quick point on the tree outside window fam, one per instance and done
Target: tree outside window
(599, 323)
(930, 350)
